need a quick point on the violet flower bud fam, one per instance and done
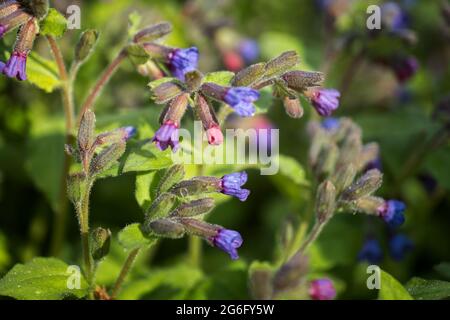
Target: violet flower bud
(393, 16)
(167, 136)
(322, 289)
(228, 241)
(405, 68)
(209, 121)
(392, 212)
(371, 251)
(330, 124)
(325, 101)
(231, 185)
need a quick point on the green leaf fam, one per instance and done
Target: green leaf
(422, 289)
(41, 279)
(45, 155)
(131, 237)
(143, 194)
(437, 164)
(391, 289)
(54, 24)
(265, 100)
(221, 78)
(42, 72)
(145, 156)
(134, 22)
(153, 84)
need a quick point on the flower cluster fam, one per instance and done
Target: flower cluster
(180, 206)
(372, 252)
(14, 14)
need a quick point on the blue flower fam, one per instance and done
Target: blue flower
(374, 164)
(249, 50)
(399, 245)
(241, 99)
(322, 289)
(15, 67)
(371, 251)
(392, 212)
(394, 17)
(330, 124)
(182, 61)
(228, 241)
(167, 136)
(325, 101)
(231, 185)
(129, 132)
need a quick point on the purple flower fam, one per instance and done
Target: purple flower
(392, 212)
(371, 251)
(374, 164)
(231, 185)
(322, 289)
(129, 132)
(405, 68)
(330, 124)
(182, 61)
(325, 101)
(249, 50)
(241, 99)
(399, 245)
(393, 16)
(167, 135)
(16, 65)
(228, 241)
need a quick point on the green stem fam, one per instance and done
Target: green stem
(101, 82)
(60, 217)
(83, 216)
(124, 272)
(312, 236)
(195, 251)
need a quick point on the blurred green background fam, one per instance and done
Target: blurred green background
(402, 118)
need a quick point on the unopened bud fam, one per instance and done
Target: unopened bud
(166, 92)
(115, 136)
(292, 273)
(301, 80)
(249, 75)
(260, 277)
(161, 207)
(176, 109)
(343, 177)
(76, 187)
(193, 80)
(200, 228)
(350, 150)
(369, 205)
(196, 186)
(26, 36)
(153, 32)
(366, 185)
(293, 107)
(170, 177)
(106, 158)
(326, 160)
(281, 64)
(100, 243)
(38, 8)
(194, 208)
(86, 134)
(206, 114)
(86, 45)
(369, 153)
(325, 201)
(165, 228)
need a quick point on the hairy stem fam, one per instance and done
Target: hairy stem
(312, 236)
(60, 217)
(124, 272)
(101, 82)
(195, 251)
